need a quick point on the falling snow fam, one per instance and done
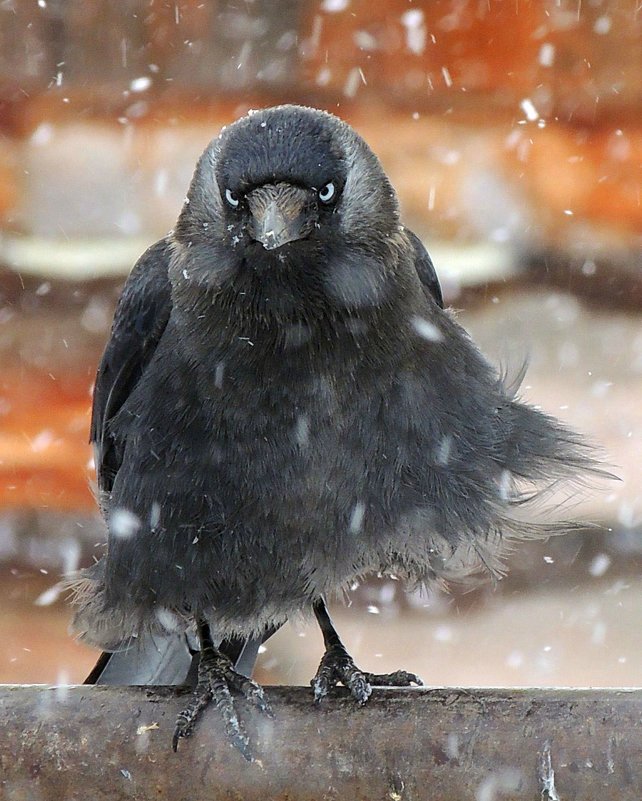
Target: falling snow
(547, 54)
(529, 109)
(140, 84)
(602, 25)
(123, 523)
(413, 22)
(334, 6)
(427, 330)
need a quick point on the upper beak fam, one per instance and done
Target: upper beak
(281, 213)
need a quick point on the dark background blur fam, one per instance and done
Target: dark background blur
(512, 131)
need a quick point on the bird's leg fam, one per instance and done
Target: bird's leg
(338, 666)
(216, 680)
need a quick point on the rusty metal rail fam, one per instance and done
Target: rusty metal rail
(99, 743)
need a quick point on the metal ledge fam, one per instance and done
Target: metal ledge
(111, 743)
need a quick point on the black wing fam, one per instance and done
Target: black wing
(425, 269)
(140, 319)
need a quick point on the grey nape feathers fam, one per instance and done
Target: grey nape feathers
(285, 405)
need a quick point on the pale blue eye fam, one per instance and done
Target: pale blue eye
(232, 198)
(327, 192)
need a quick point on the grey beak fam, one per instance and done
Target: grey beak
(281, 213)
(273, 230)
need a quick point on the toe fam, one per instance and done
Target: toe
(255, 695)
(250, 690)
(241, 742)
(320, 687)
(358, 685)
(400, 678)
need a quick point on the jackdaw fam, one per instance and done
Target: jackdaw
(285, 406)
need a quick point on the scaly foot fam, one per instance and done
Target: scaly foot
(216, 681)
(338, 666)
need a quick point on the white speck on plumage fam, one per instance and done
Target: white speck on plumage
(154, 515)
(505, 484)
(356, 518)
(443, 450)
(302, 430)
(219, 373)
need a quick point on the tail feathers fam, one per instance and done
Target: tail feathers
(538, 448)
(545, 468)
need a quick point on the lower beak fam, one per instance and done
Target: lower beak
(281, 213)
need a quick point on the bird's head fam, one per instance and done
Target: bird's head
(290, 195)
